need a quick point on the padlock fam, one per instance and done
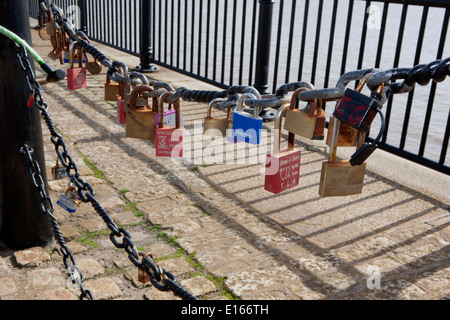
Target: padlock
(76, 77)
(282, 166)
(93, 66)
(170, 117)
(111, 89)
(69, 200)
(357, 109)
(59, 171)
(123, 98)
(143, 276)
(245, 126)
(215, 126)
(339, 177)
(308, 122)
(169, 140)
(348, 136)
(140, 120)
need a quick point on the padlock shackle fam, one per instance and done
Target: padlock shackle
(241, 101)
(334, 139)
(80, 55)
(213, 103)
(294, 100)
(176, 103)
(291, 136)
(134, 94)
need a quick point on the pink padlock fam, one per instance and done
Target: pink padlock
(76, 77)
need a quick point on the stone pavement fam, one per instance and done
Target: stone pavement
(217, 229)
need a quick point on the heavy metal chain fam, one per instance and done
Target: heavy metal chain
(85, 193)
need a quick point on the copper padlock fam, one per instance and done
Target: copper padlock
(143, 276)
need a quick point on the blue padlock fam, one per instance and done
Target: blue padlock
(245, 126)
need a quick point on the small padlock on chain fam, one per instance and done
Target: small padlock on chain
(69, 200)
(59, 171)
(309, 122)
(216, 126)
(247, 127)
(143, 276)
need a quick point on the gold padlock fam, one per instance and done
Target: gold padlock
(213, 126)
(111, 90)
(339, 177)
(305, 122)
(348, 136)
(140, 122)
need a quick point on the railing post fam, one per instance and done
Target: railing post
(146, 50)
(22, 225)
(83, 16)
(263, 46)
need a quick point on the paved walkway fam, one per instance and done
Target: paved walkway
(217, 229)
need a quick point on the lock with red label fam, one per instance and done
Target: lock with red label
(282, 166)
(169, 140)
(76, 77)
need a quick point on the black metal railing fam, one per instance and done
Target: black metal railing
(226, 42)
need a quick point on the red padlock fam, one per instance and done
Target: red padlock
(76, 77)
(169, 140)
(282, 166)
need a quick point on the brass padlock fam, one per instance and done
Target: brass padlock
(140, 122)
(339, 177)
(348, 136)
(308, 122)
(213, 126)
(143, 276)
(111, 90)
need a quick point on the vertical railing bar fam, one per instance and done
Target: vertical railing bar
(192, 36)
(172, 27)
(178, 33)
(208, 30)
(363, 38)
(401, 32)
(347, 37)
(411, 93)
(330, 43)
(200, 29)
(166, 27)
(432, 94)
(185, 34)
(382, 33)
(159, 29)
(445, 142)
(241, 61)
(302, 46)
(224, 43)
(316, 45)
(252, 43)
(278, 45)
(216, 33)
(290, 43)
(233, 42)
